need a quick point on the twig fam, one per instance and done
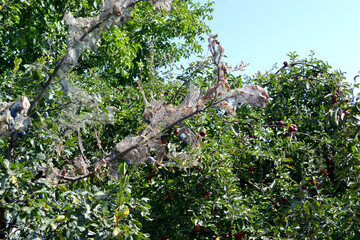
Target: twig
(221, 117)
(73, 179)
(56, 108)
(8, 28)
(276, 205)
(99, 143)
(81, 147)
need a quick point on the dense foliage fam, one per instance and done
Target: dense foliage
(286, 171)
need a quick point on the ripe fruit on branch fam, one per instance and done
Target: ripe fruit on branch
(13, 113)
(198, 227)
(338, 92)
(303, 187)
(293, 128)
(334, 100)
(239, 236)
(206, 194)
(15, 110)
(164, 141)
(281, 123)
(329, 160)
(176, 132)
(286, 64)
(251, 170)
(202, 133)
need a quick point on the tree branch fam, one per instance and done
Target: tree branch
(73, 179)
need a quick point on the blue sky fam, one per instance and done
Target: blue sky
(263, 32)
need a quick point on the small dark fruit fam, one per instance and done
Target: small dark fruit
(206, 194)
(334, 100)
(176, 132)
(286, 64)
(329, 160)
(13, 113)
(198, 227)
(202, 133)
(303, 187)
(280, 123)
(293, 128)
(239, 236)
(251, 170)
